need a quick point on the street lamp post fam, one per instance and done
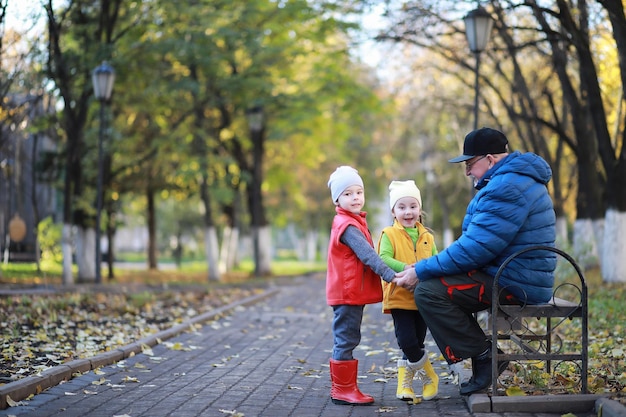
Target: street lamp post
(102, 77)
(478, 24)
(255, 123)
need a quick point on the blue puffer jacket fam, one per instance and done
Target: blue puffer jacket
(511, 210)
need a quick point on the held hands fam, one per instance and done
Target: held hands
(407, 279)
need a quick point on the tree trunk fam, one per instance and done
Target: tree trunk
(585, 248)
(311, 245)
(265, 250)
(561, 231)
(614, 247)
(85, 258)
(212, 248)
(66, 249)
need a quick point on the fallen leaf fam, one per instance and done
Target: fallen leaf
(515, 392)
(99, 381)
(12, 403)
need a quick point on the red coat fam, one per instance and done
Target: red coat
(348, 280)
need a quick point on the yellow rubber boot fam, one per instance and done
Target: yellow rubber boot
(405, 381)
(430, 380)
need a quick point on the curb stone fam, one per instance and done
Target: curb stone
(609, 408)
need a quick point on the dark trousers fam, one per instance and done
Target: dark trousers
(448, 305)
(410, 330)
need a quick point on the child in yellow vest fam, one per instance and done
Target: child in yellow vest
(400, 246)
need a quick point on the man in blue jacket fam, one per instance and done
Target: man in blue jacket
(511, 210)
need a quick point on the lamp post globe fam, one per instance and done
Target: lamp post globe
(102, 77)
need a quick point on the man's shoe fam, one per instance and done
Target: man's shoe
(481, 378)
(502, 365)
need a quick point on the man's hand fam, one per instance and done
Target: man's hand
(407, 279)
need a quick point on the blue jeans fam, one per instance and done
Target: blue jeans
(346, 330)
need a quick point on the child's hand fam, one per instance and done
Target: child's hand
(409, 266)
(407, 279)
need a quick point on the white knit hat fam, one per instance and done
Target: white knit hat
(342, 178)
(399, 189)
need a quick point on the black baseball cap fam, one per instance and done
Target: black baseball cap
(483, 141)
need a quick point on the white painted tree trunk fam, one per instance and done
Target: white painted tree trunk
(448, 238)
(324, 242)
(232, 260)
(66, 249)
(228, 250)
(265, 250)
(311, 245)
(222, 264)
(86, 254)
(561, 232)
(585, 246)
(614, 247)
(212, 252)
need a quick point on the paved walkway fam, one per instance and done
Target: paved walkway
(267, 359)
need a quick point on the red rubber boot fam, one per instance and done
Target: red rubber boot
(344, 389)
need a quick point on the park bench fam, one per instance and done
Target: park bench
(532, 334)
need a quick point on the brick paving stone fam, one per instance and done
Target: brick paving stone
(266, 359)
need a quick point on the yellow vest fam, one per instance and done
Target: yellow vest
(405, 251)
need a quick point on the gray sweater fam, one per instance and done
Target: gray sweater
(355, 240)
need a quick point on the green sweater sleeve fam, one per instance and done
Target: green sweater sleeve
(386, 254)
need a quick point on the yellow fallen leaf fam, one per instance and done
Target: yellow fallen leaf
(99, 381)
(515, 392)
(374, 352)
(12, 403)
(146, 350)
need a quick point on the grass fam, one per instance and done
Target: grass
(190, 272)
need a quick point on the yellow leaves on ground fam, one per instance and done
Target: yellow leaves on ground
(515, 392)
(100, 381)
(43, 330)
(387, 409)
(12, 403)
